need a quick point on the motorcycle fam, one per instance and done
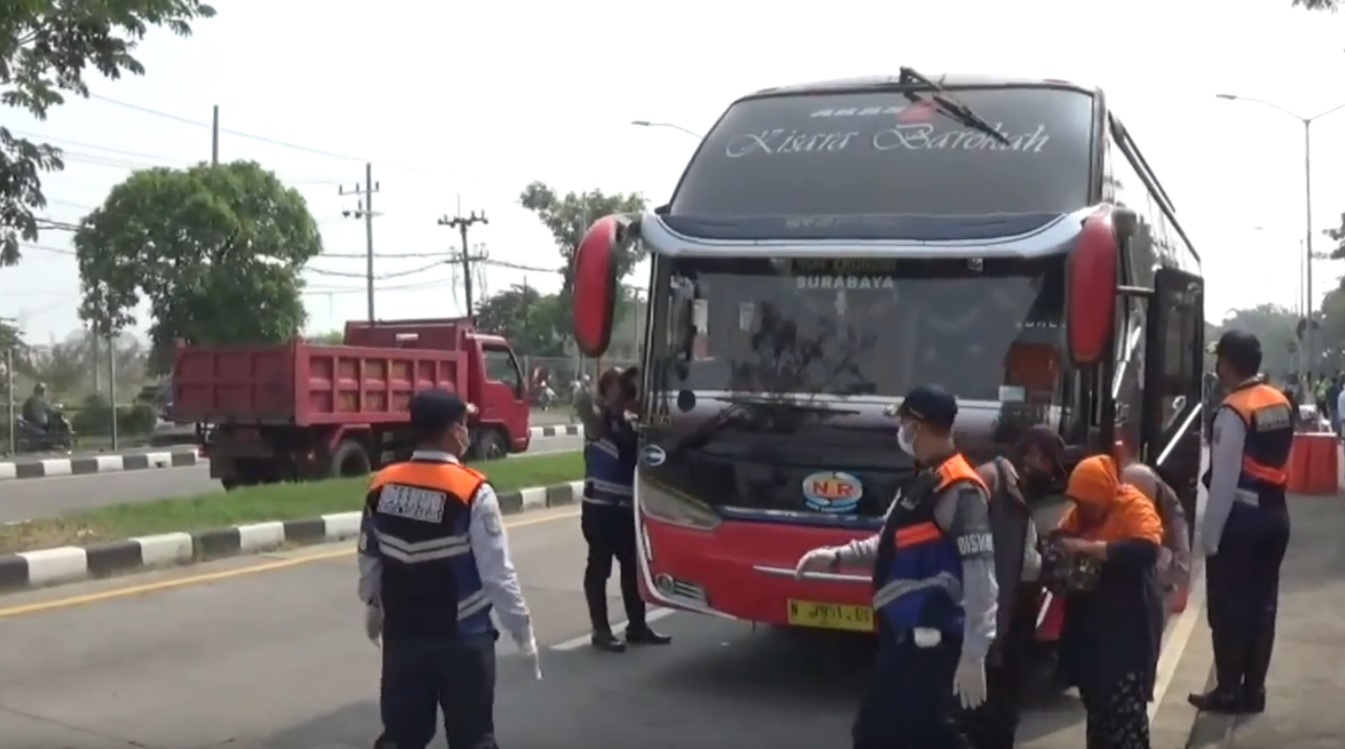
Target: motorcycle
(33, 438)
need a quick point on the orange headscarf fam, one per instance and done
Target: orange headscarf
(1126, 513)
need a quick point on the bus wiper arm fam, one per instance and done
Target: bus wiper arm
(741, 405)
(951, 107)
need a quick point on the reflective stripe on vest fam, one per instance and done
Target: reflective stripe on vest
(1268, 418)
(922, 585)
(607, 480)
(414, 495)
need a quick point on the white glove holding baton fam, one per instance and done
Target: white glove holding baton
(527, 646)
(969, 681)
(373, 622)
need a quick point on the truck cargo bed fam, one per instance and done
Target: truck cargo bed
(307, 384)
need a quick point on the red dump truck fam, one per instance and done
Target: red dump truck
(299, 411)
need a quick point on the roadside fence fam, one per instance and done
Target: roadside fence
(101, 411)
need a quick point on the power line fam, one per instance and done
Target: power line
(235, 133)
(46, 248)
(452, 255)
(250, 136)
(138, 159)
(380, 277)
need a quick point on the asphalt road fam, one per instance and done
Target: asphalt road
(268, 653)
(25, 499)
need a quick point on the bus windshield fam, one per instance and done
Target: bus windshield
(985, 330)
(847, 154)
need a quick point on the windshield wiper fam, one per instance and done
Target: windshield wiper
(743, 405)
(949, 106)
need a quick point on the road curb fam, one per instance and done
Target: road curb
(84, 466)
(43, 568)
(172, 458)
(556, 430)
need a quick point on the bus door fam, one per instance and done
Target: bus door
(1174, 383)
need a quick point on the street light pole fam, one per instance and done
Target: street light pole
(669, 125)
(1309, 335)
(1309, 339)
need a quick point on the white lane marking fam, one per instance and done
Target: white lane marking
(1174, 645)
(654, 615)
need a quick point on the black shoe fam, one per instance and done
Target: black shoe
(1254, 701)
(607, 642)
(646, 636)
(1221, 701)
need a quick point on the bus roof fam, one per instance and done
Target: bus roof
(874, 82)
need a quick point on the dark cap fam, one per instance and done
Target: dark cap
(1236, 343)
(929, 404)
(434, 410)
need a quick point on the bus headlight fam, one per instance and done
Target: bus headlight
(671, 506)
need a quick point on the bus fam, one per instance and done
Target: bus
(830, 245)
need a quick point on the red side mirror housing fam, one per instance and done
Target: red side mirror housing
(1091, 283)
(595, 284)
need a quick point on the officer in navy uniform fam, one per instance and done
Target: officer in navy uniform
(434, 561)
(934, 590)
(1246, 531)
(611, 451)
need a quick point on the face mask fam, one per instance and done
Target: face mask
(906, 439)
(459, 440)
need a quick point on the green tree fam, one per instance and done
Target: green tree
(46, 46)
(1274, 325)
(533, 322)
(10, 336)
(77, 366)
(1316, 4)
(216, 250)
(568, 217)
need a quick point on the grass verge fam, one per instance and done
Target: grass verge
(254, 504)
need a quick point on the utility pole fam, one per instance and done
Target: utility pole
(214, 138)
(365, 210)
(527, 324)
(463, 224)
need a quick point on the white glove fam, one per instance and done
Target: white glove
(527, 647)
(817, 560)
(969, 682)
(373, 623)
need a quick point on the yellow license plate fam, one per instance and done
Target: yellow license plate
(830, 616)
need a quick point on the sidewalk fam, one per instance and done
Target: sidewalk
(1306, 706)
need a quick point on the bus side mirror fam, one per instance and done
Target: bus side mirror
(1091, 290)
(595, 283)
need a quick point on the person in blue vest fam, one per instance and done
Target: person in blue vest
(935, 592)
(611, 449)
(1246, 532)
(434, 562)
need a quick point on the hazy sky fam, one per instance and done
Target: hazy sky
(477, 99)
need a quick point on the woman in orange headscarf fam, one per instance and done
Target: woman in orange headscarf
(1113, 622)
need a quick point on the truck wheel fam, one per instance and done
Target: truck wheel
(350, 459)
(490, 444)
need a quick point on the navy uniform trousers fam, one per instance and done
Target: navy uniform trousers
(910, 703)
(1243, 584)
(424, 675)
